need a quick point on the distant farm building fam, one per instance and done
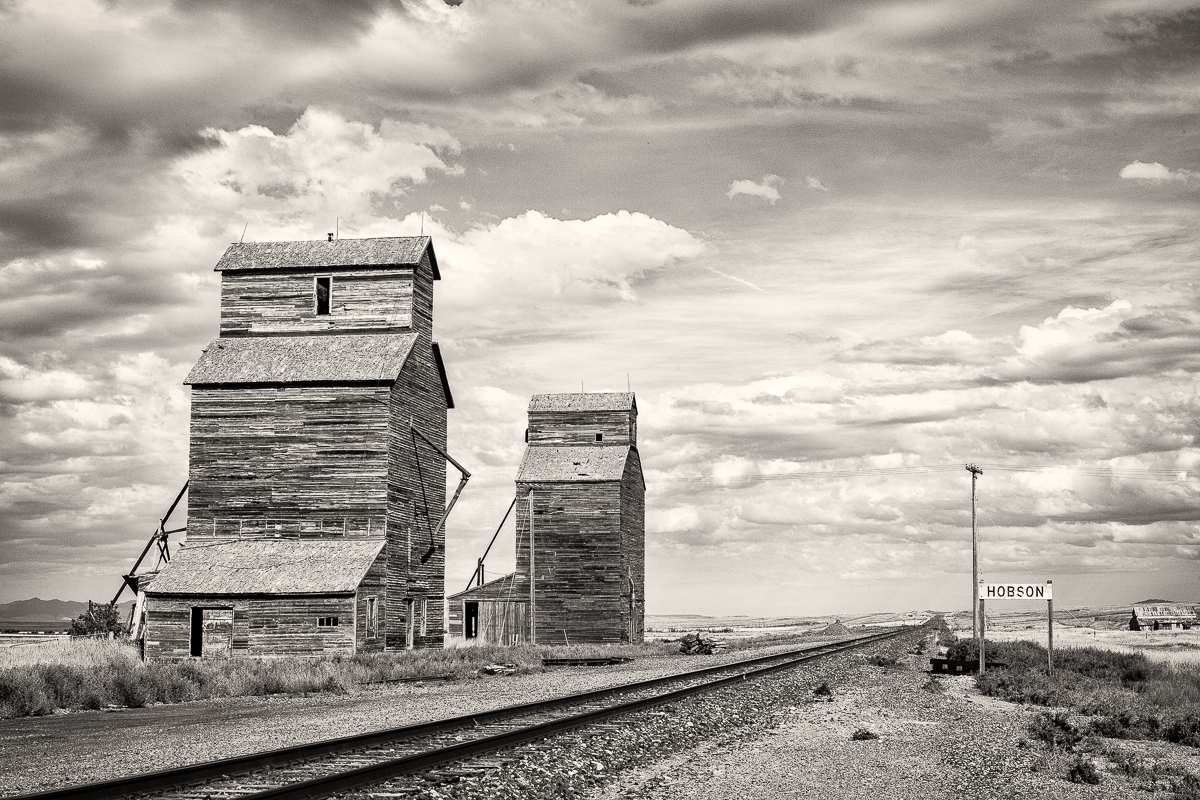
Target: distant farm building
(317, 468)
(581, 477)
(1162, 617)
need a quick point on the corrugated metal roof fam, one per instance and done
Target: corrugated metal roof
(302, 359)
(381, 252)
(268, 566)
(574, 463)
(593, 401)
(1164, 612)
(512, 587)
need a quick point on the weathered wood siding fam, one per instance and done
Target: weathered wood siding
(581, 427)
(416, 492)
(374, 584)
(264, 302)
(579, 578)
(633, 547)
(502, 623)
(263, 627)
(311, 460)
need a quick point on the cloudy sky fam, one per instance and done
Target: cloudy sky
(837, 248)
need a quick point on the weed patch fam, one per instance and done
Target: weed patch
(1124, 695)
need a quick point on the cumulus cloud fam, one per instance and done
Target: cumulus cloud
(324, 166)
(1155, 172)
(815, 184)
(766, 189)
(536, 258)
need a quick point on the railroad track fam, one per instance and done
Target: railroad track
(335, 766)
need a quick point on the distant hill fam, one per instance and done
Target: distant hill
(39, 614)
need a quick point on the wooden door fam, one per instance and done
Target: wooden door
(217, 633)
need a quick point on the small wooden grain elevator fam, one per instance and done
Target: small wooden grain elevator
(317, 473)
(581, 478)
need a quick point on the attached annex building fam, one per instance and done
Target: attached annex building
(580, 532)
(316, 467)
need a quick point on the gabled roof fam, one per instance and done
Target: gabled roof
(343, 358)
(387, 251)
(512, 587)
(594, 401)
(580, 463)
(268, 566)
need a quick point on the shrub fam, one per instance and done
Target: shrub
(1056, 730)
(1084, 771)
(823, 690)
(98, 619)
(1187, 788)
(933, 685)
(862, 735)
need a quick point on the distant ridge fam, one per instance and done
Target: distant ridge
(37, 613)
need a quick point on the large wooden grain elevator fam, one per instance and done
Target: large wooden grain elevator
(580, 532)
(318, 464)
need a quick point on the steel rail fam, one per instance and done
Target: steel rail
(240, 765)
(378, 773)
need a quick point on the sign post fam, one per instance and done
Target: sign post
(1018, 591)
(1050, 630)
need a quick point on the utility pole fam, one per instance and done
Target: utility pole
(975, 473)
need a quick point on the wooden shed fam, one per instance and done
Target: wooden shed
(267, 598)
(581, 477)
(1170, 616)
(319, 413)
(494, 613)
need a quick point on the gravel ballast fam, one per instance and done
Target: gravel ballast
(771, 737)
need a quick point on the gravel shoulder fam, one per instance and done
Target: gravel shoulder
(950, 744)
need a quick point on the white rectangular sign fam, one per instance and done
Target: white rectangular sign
(1016, 591)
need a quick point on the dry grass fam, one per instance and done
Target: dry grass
(1125, 695)
(94, 673)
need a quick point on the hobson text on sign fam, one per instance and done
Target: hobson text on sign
(1016, 591)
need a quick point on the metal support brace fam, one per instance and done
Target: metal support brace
(461, 483)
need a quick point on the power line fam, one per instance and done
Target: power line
(1155, 475)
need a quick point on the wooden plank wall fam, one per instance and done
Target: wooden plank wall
(502, 623)
(374, 584)
(313, 459)
(263, 627)
(581, 427)
(579, 586)
(417, 498)
(258, 302)
(633, 546)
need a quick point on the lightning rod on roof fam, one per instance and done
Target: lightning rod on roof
(243, 236)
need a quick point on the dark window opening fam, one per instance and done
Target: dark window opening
(197, 631)
(527, 436)
(599, 437)
(471, 620)
(324, 292)
(372, 619)
(327, 622)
